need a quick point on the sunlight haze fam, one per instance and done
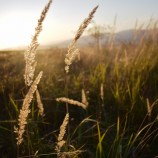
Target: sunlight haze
(18, 18)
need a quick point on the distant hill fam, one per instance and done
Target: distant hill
(129, 35)
(119, 37)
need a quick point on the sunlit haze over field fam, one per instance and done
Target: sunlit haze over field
(18, 18)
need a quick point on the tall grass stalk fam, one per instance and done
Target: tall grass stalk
(31, 50)
(28, 76)
(24, 112)
(73, 52)
(61, 140)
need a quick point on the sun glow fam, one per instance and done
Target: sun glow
(16, 30)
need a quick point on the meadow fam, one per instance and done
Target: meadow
(113, 92)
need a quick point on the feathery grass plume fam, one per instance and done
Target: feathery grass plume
(85, 23)
(62, 132)
(39, 103)
(71, 101)
(31, 50)
(24, 112)
(72, 50)
(84, 98)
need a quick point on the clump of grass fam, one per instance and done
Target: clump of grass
(28, 76)
(71, 55)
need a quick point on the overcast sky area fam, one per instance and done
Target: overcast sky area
(18, 18)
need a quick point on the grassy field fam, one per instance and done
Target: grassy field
(114, 96)
(122, 122)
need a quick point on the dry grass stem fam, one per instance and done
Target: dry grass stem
(72, 153)
(102, 91)
(62, 132)
(22, 121)
(31, 50)
(39, 103)
(84, 98)
(71, 101)
(148, 107)
(72, 50)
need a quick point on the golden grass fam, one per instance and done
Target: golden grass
(39, 103)
(72, 102)
(24, 112)
(72, 50)
(29, 80)
(62, 132)
(31, 50)
(28, 76)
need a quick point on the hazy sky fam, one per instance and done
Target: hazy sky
(18, 18)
